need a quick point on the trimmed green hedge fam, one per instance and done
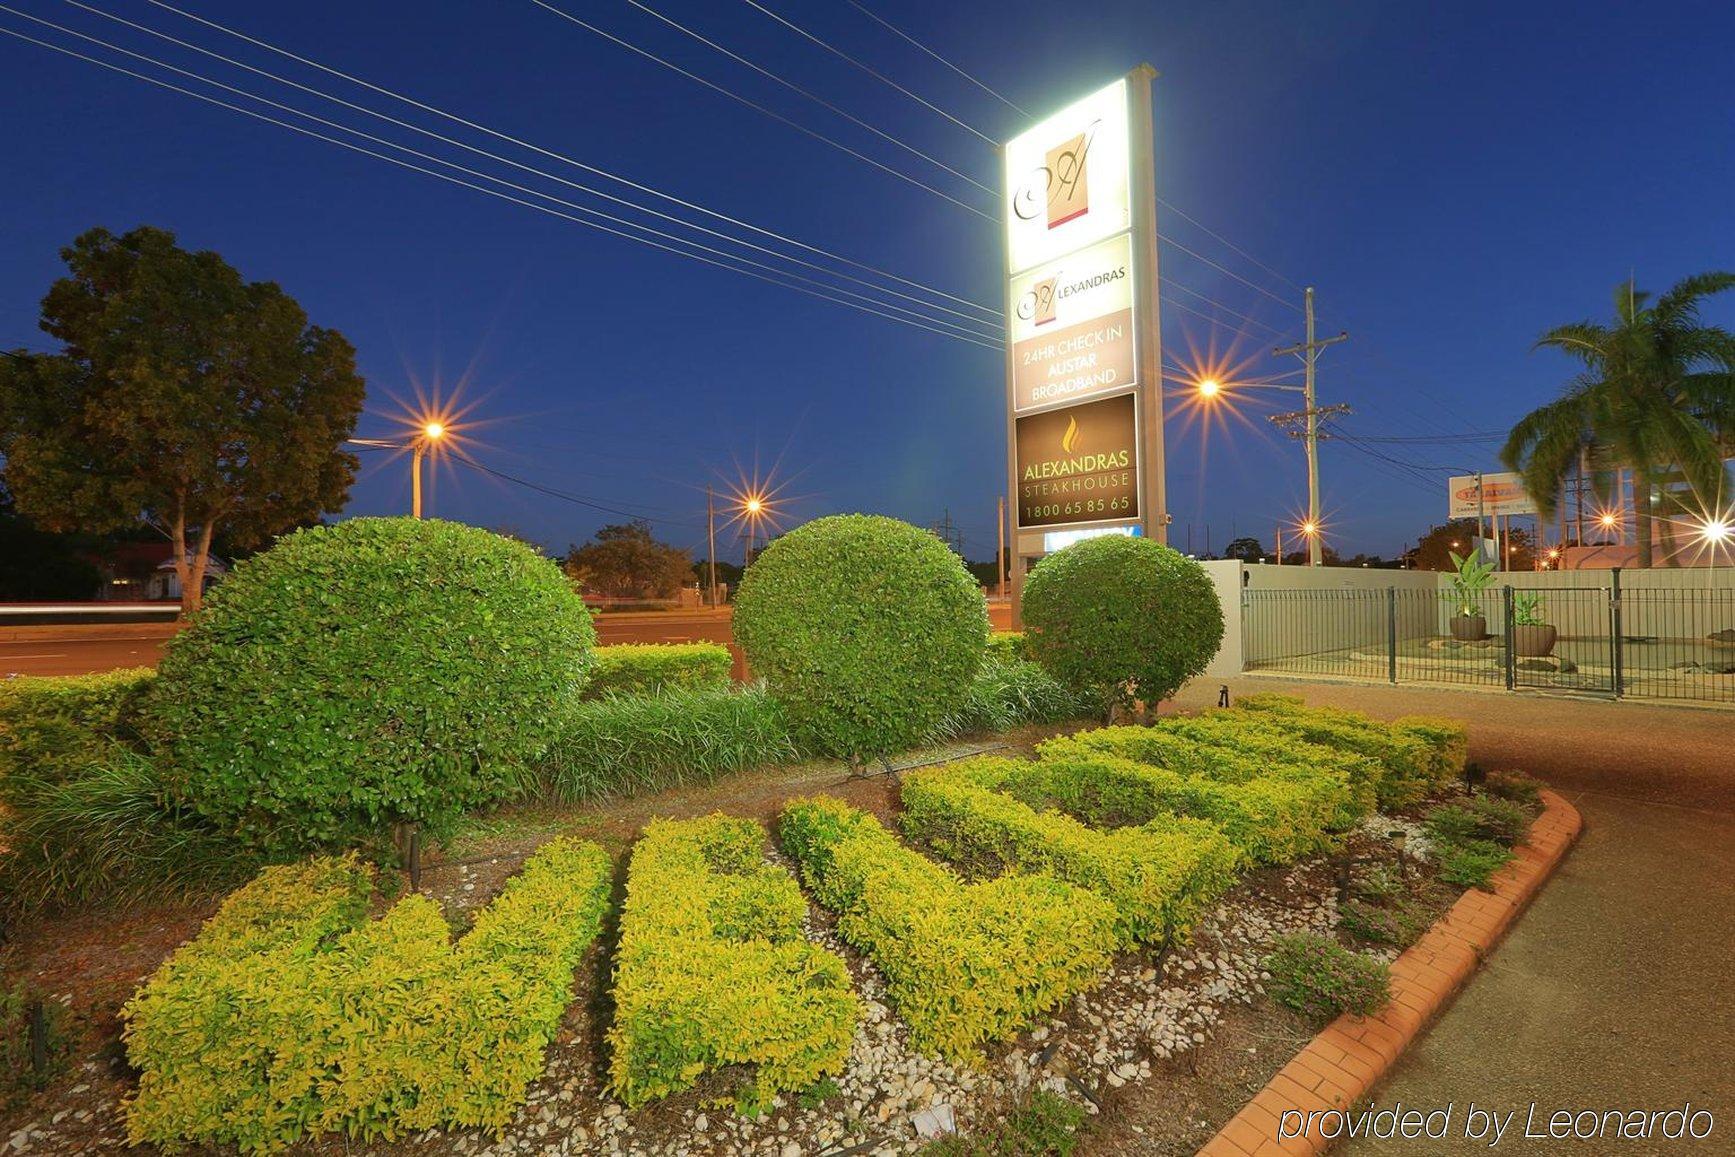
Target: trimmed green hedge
(653, 668)
(292, 1013)
(867, 629)
(713, 969)
(1237, 758)
(1259, 744)
(964, 963)
(1275, 821)
(378, 671)
(1420, 755)
(631, 744)
(54, 727)
(1160, 877)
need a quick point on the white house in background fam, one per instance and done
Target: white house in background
(164, 583)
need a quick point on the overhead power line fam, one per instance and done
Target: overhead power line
(576, 499)
(634, 205)
(896, 31)
(1203, 228)
(1287, 304)
(757, 107)
(553, 155)
(819, 100)
(877, 75)
(464, 183)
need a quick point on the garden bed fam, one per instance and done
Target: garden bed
(1160, 1052)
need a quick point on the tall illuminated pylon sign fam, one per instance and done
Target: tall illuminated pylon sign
(1084, 415)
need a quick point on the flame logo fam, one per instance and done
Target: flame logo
(1069, 440)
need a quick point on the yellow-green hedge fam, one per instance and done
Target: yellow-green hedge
(964, 963)
(1274, 821)
(1420, 754)
(652, 668)
(713, 969)
(1231, 748)
(292, 1013)
(1160, 877)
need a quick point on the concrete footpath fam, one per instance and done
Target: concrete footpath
(1616, 990)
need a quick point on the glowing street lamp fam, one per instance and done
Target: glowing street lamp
(1715, 532)
(1210, 388)
(432, 432)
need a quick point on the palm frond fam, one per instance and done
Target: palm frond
(1681, 302)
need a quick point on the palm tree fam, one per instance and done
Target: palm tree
(1656, 396)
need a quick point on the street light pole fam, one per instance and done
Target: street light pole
(711, 539)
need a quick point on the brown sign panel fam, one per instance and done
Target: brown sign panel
(1079, 464)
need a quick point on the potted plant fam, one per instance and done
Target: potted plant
(1471, 578)
(1532, 638)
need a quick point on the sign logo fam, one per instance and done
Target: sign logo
(1069, 440)
(1060, 189)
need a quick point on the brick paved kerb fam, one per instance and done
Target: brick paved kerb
(1341, 1065)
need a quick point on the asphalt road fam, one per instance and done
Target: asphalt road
(80, 650)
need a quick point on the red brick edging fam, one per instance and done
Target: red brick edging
(1338, 1068)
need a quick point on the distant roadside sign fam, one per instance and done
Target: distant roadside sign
(1502, 493)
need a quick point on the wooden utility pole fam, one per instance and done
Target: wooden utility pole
(1309, 351)
(1000, 561)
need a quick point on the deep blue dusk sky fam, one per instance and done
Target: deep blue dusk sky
(1452, 178)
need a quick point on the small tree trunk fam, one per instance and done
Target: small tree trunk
(193, 586)
(178, 544)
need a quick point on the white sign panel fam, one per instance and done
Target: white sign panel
(1074, 333)
(1501, 494)
(1061, 539)
(1068, 180)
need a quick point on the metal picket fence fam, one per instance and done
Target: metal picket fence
(1646, 643)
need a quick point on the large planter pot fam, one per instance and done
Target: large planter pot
(1469, 628)
(1533, 642)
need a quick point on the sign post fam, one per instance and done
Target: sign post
(1084, 412)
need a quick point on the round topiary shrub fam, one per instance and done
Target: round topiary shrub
(1120, 618)
(868, 630)
(382, 670)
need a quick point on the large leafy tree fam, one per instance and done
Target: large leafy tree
(1656, 396)
(183, 396)
(627, 561)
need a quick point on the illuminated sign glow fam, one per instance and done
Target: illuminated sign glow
(1061, 539)
(1079, 463)
(1068, 180)
(1073, 332)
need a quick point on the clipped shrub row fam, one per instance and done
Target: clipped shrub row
(292, 1012)
(1419, 754)
(713, 969)
(964, 963)
(1327, 789)
(1273, 821)
(1161, 876)
(53, 727)
(654, 668)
